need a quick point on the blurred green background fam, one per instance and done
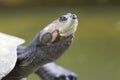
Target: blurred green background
(95, 52)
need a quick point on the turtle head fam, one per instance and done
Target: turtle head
(67, 24)
(63, 27)
(51, 42)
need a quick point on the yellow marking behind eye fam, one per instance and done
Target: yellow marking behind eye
(54, 35)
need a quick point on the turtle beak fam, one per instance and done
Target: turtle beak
(69, 26)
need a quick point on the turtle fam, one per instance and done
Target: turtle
(18, 61)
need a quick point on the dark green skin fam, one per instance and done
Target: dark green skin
(32, 57)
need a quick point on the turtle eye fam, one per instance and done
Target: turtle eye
(62, 18)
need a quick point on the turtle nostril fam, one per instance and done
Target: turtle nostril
(74, 16)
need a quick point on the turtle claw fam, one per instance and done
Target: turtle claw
(60, 77)
(66, 77)
(63, 77)
(73, 77)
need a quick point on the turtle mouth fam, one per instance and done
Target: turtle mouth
(70, 27)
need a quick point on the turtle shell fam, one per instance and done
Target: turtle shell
(8, 53)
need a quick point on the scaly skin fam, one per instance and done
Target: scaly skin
(48, 45)
(38, 56)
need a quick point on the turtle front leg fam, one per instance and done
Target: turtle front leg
(52, 71)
